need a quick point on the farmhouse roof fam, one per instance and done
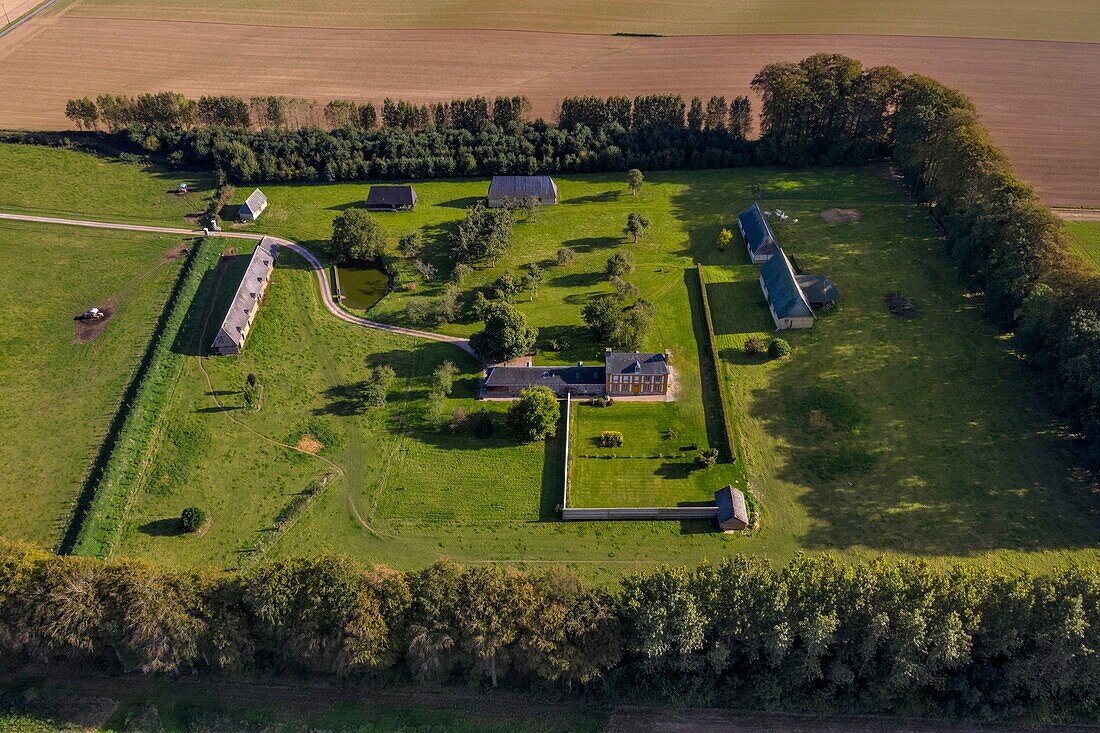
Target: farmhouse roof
(635, 362)
(818, 289)
(535, 376)
(235, 323)
(391, 196)
(758, 233)
(522, 187)
(784, 294)
(731, 506)
(256, 202)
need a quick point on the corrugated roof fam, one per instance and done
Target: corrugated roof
(758, 233)
(552, 377)
(635, 362)
(784, 294)
(256, 202)
(395, 196)
(245, 300)
(521, 187)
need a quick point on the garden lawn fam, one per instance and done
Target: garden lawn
(61, 182)
(1085, 240)
(61, 395)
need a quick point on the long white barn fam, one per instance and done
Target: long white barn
(246, 301)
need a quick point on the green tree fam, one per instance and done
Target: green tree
(619, 264)
(566, 256)
(506, 334)
(602, 315)
(192, 518)
(634, 179)
(83, 113)
(535, 415)
(533, 278)
(356, 236)
(636, 226)
(632, 327)
(725, 238)
(443, 377)
(411, 245)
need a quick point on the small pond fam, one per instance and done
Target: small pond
(362, 285)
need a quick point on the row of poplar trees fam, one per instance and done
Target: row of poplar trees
(877, 636)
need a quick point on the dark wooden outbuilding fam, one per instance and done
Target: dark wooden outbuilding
(391, 198)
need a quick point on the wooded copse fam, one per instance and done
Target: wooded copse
(876, 636)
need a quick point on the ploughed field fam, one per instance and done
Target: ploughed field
(1040, 99)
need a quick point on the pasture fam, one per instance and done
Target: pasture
(927, 439)
(63, 382)
(1085, 240)
(1036, 97)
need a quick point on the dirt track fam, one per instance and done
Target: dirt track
(1040, 99)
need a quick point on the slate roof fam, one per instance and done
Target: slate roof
(240, 313)
(731, 505)
(521, 187)
(758, 233)
(255, 203)
(818, 289)
(634, 362)
(519, 377)
(784, 293)
(391, 197)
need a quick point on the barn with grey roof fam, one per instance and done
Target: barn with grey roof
(246, 301)
(541, 189)
(786, 301)
(391, 198)
(253, 206)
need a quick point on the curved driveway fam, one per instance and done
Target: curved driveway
(315, 264)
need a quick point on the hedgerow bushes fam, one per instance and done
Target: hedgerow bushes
(877, 636)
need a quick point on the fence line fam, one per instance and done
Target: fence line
(640, 513)
(565, 468)
(716, 364)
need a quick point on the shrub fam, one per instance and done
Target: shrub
(566, 256)
(754, 346)
(484, 426)
(778, 348)
(706, 458)
(192, 518)
(611, 439)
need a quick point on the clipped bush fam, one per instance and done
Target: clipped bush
(778, 348)
(707, 458)
(611, 439)
(754, 346)
(192, 518)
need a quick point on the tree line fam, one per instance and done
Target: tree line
(875, 636)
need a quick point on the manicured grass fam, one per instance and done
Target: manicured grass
(56, 181)
(1085, 240)
(59, 396)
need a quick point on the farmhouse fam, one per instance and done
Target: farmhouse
(541, 189)
(246, 301)
(253, 206)
(759, 239)
(623, 374)
(786, 301)
(391, 198)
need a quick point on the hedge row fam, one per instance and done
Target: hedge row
(814, 634)
(95, 524)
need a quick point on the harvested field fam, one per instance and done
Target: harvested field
(1041, 100)
(13, 10)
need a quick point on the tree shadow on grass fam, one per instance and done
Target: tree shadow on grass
(598, 198)
(170, 527)
(460, 203)
(578, 280)
(590, 244)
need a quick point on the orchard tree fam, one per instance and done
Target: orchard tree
(602, 315)
(535, 416)
(357, 236)
(634, 179)
(506, 334)
(636, 226)
(620, 263)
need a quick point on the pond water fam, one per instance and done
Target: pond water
(362, 285)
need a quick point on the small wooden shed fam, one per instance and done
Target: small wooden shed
(733, 512)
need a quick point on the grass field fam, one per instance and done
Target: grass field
(40, 180)
(1085, 237)
(1070, 20)
(60, 394)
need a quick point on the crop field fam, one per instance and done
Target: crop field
(1038, 98)
(63, 381)
(1086, 240)
(1065, 20)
